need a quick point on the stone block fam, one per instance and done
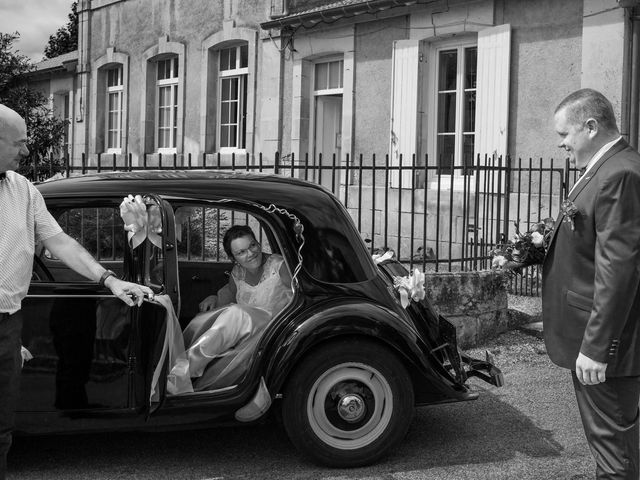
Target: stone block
(475, 302)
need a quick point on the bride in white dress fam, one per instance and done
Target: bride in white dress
(260, 286)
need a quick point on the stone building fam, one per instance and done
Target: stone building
(448, 81)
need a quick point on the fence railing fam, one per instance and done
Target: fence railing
(433, 218)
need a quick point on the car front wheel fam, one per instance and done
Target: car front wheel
(348, 403)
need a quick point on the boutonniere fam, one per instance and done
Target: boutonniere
(569, 210)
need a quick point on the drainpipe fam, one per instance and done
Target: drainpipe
(82, 88)
(634, 96)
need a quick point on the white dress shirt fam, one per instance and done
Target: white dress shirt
(598, 155)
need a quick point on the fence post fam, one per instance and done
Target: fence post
(276, 163)
(565, 182)
(507, 200)
(498, 208)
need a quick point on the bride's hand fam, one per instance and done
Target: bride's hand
(208, 303)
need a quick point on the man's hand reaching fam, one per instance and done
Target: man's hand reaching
(130, 293)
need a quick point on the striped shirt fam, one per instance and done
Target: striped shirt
(24, 221)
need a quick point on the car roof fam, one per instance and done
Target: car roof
(209, 184)
(328, 229)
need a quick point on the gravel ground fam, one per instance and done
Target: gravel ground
(527, 305)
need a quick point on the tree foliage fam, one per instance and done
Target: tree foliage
(45, 131)
(65, 40)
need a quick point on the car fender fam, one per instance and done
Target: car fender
(355, 319)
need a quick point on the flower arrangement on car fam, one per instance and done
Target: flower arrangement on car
(525, 249)
(409, 287)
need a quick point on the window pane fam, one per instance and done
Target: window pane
(471, 67)
(447, 69)
(469, 111)
(232, 58)
(163, 141)
(244, 56)
(446, 152)
(335, 74)
(174, 64)
(163, 99)
(233, 89)
(224, 113)
(163, 120)
(174, 140)
(322, 76)
(467, 153)
(224, 59)
(161, 70)
(233, 130)
(111, 142)
(233, 112)
(226, 85)
(112, 101)
(224, 136)
(114, 77)
(243, 118)
(446, 112)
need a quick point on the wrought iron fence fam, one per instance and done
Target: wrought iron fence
(433, 218)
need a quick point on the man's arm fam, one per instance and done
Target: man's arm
(78, 259)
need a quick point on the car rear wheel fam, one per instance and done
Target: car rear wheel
(348, 403)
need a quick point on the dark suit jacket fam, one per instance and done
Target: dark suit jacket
(591, 275)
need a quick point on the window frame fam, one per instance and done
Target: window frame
(241, 74)
(173, 83)
(314, 136)
(118, 91)
(460, 45)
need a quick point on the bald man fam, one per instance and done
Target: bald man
(25, 221)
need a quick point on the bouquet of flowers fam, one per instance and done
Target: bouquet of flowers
(524, 249)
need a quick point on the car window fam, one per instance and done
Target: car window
(200, 230)
(100, 230)
(203, 266)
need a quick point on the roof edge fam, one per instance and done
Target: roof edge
(331, 14)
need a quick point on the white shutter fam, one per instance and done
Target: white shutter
(404, 108)
(492, 104)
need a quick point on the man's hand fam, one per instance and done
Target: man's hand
(208, 303)
(590, 372)
(130, 293)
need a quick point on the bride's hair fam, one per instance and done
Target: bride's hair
(237, 231)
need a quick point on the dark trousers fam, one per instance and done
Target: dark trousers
(609, 414)
(10, 365)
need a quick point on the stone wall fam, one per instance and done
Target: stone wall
(475, 302)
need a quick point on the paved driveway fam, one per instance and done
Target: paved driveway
(528, 429)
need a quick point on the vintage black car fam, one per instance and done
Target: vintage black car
(343, 365)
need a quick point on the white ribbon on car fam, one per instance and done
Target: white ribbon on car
(410, 287)
(141, 222)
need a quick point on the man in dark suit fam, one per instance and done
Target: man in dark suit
(591, 282)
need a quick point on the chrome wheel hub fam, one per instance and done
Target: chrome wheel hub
(351, 408)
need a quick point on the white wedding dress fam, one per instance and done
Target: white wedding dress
(228, 334)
